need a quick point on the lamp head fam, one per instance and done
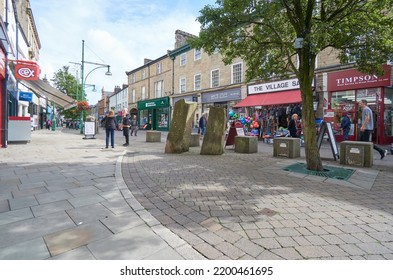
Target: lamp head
(108, 73)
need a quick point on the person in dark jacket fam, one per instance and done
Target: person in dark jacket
(345, 126)
(202, 124)
(126, 129)
(109, 123)
(293, 126)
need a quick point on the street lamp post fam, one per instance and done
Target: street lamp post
(83, 79)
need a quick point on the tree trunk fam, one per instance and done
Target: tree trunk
(306, 75)
(313, 158)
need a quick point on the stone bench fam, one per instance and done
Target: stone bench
(153, 136)
(246, 144)
(194, 140)
(286, 147)
(356, 153)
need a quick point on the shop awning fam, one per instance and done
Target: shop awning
(45, 90)
(274, 98)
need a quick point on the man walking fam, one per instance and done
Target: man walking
(368, 126)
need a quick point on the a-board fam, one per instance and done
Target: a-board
(326, 127)
(90, 129)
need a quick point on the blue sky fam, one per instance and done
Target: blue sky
(120, 33)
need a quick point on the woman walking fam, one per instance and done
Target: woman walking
(110, 125)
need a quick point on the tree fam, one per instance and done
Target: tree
(264, 32)
(64, 81)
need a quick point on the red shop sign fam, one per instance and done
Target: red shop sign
(26, 70)
(353, 79)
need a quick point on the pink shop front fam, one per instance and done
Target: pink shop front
(346, 88)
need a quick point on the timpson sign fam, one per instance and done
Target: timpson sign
(353, 79)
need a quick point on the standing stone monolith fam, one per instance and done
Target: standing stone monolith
(213, 140)
(178, 139)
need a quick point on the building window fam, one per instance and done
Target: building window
(183, 59)
(182, 85)
(143, 74)
(215, 78)
(197, 54)
(143, 94)
(237, 73)
(158, 68)
(197, 82)
(158, 89)
(133, 78)
(133, 95)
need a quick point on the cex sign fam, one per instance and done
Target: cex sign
(26, 70)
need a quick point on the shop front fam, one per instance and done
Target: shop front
(346, 88)
(273, 104)
(154, 114)
(226, 98)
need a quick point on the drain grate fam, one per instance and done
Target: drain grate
(338, 173)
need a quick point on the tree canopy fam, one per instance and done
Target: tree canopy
(64, 81)
(263, 32)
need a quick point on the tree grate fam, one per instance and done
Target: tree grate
(333, 172)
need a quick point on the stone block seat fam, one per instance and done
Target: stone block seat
(246, 144)
(153, 136)
(356, 153)
(286, 147)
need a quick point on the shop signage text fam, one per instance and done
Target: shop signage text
(154, 103)
(26, 70)
(284, 85)
(221, 96)
(353, 79)
(25, 96)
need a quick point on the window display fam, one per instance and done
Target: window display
(343, 103)
(162, 117)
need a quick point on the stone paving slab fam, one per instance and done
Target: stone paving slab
(133, 244)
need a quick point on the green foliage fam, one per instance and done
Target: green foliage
(262, 32)
(64, 81)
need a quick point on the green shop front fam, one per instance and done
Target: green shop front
(154, 114)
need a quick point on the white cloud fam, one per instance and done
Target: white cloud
(120, 33)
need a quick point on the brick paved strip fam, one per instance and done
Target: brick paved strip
(228, 235)
(229, 250)
(249, 247)
(287, 253)
(208, 251)
(210, 237)
(314, 252)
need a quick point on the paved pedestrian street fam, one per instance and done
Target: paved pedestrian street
(63, 197)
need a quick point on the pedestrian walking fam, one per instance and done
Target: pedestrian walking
(345, 126)
(293, 126)
(126, 129)
(109, 123)
(367, 126)
(202, 124)
(134, 125)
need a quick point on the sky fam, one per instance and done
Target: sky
(120, 33)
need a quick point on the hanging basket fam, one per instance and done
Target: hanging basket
(83, 105)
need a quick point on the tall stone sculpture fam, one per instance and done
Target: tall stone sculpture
(178, 139)
(213, 141)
